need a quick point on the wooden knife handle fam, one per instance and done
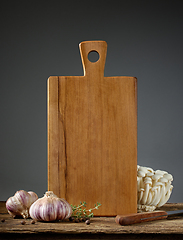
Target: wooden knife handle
(140, 217)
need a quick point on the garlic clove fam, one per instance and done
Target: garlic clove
(48, 210)
(24, 198)
(15, 208)
(69, 209)
(34, 196)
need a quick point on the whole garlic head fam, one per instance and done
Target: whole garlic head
(50, 208)
(19, 204)
(153, 188)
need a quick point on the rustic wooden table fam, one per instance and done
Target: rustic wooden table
(99, 228)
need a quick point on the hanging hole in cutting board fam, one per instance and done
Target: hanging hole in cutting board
(93, 56)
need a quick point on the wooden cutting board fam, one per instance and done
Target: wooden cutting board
(92, 136)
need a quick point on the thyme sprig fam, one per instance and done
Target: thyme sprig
(80, 211)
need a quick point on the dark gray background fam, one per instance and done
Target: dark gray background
(40, 39)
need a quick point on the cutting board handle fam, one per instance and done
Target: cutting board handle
(89, 46)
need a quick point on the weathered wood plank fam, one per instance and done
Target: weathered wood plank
(103, 226)
(171, 207)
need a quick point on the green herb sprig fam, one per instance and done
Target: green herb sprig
(80, 211)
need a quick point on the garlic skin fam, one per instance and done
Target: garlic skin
(153, 188)
(34, 196)
(50, 208)
(19, 204)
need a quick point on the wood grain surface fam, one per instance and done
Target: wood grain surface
(92, 136)
(171, 207)
(99, 228)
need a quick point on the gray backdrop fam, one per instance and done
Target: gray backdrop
(40, 39)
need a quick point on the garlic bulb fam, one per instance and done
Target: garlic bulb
(153, 188)
(50, 208)
(20, 203)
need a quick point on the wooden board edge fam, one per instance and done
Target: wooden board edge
(52, 125)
